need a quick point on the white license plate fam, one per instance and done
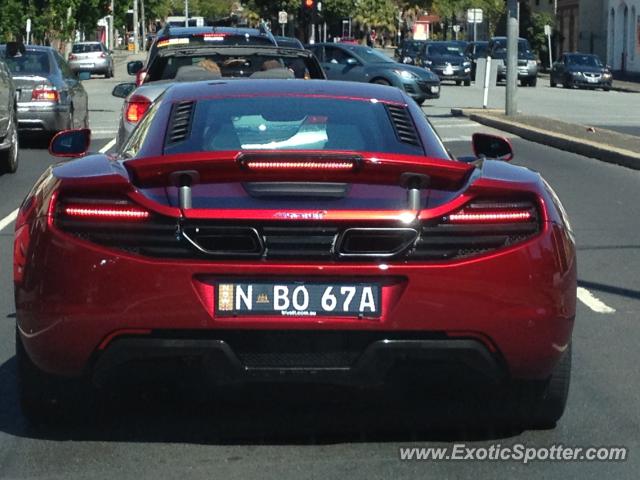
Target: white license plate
(87, 65)
(592, 80)
(292, 299)
(435, 89)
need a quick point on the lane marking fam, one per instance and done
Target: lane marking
(594, 303)
(108, 146)
(6, 221)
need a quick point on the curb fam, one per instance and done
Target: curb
(601, 151)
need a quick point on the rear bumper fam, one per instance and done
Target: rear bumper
(42, 117)
(518, 302)
(354, 358)
(98, 65)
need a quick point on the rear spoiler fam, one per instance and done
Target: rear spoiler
(316, 166)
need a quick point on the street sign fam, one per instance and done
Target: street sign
(282, 17)
(456, 28)
(547, 30)
(474, 15)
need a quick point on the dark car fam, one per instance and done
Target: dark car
(527, 63)
(581, 70)
(473, 51)
(409, 50)
(189, 62)
(293, 231)
(357, 63)
(8, 122)
(176, 37)
(50, 95)
(448, 61)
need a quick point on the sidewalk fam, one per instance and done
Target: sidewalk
(121, 57)
(599, 143)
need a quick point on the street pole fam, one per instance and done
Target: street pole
(144, 25)
(475, 24)
(511, 104)
(136, 42)
(186, 13)
(112, 45)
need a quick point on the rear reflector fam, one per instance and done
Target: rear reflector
(299, 165)
(44, 94)
(105, 212)
(137, 106)
(491, 216)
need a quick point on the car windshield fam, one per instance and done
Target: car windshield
(370, 55)
(413, 46)
(584, 60)
(445, 49)
(29, 63)
(500, 47)
(239, 66)
(86, 48)
(481, 50)
(292, 123)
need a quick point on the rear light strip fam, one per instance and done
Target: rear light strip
(105, 212)
(491, 217)
(301, 165)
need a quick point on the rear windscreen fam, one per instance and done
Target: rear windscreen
(29, 63)
(292, 123)
(86, 48)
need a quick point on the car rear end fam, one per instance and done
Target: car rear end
(42, 105)
(90, 57)
(309, 260)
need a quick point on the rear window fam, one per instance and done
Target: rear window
(212, 39)
(86, 48)
(292, 123)
(29, 63)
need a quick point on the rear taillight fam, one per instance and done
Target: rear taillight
(103, 211)
(298, 165)
(103, 55)
(490, 212)
(72, 57)
(45, 94)
(136, 107)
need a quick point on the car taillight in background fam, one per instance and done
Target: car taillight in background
(45, 94)
(103, 55)
(136, 107)
(72, 57)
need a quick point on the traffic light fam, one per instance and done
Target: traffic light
(308, 5)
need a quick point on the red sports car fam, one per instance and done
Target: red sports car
(298, 231)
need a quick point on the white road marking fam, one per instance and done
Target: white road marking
(595, 304)
(108, 146)
(6, 221)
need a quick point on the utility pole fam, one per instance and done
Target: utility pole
(112, 39)
(186, 13)
(511, 104)
(144, 26)
(136, 40)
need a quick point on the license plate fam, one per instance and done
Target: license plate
(592, 80)
(435, 89)
(87, 65)
(290, 299)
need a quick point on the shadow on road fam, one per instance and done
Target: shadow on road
(265, 414)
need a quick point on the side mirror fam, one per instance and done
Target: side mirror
(70, 143)
(84, 75)
(491, 146)
(134, 67)
(122, 90)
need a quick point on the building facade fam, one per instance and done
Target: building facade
(623, 35)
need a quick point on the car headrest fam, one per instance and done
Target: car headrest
(273, 73)
(194, 73)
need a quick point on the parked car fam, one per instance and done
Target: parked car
(447, 60)
(581, 70)
(527, 63)
(474, 51)
(8, 122)
(409, 50)
(51, 97)
(92, 57)
(230, 59)
(320, 232)
(357, 63)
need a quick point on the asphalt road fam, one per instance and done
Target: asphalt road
(334, 433)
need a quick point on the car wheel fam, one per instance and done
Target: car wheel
(458, 82)
(9, 157)
(552, 83)
(46, 398)
(539, 404)
(532, 82)
(606, 89)
(381, 81)
(467, 83)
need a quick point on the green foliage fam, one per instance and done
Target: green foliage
(379, 14)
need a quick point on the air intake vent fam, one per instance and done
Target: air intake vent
(403, 125)
(180, 123)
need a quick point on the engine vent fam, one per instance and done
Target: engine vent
(180, 122)
(403, 125)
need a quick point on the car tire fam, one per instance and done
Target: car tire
(46, 398)
(540, 404)
(381, 81)
(467, 83)
(606, 89)
(458, 82)
(552, 83)
(532, 82)
(9, 158)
